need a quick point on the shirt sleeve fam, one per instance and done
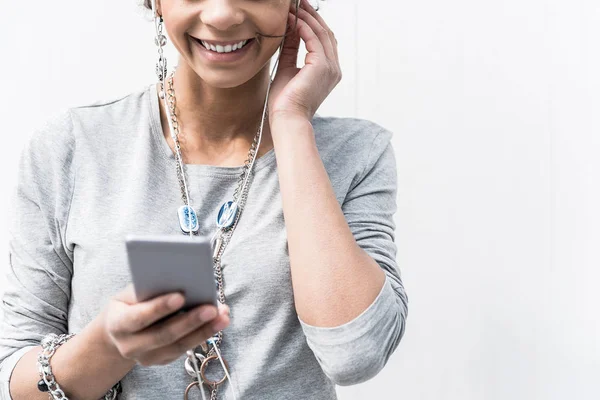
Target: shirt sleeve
(357, 350)
(40, 267)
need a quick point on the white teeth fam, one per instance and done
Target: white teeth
(224, 49)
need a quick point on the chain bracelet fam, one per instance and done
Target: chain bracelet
(47, 382)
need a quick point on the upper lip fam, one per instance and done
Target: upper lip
(216, 42)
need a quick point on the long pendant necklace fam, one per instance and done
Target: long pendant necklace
(227, 218)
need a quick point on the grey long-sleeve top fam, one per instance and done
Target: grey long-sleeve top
(95, 173)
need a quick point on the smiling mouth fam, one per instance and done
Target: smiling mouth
(223, 49)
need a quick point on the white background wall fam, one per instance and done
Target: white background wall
(495, 107)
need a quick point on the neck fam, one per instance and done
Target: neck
(217, 125)
(215, 116)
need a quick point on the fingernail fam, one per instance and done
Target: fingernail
(225, 308)
(207, 314)
(175, 301)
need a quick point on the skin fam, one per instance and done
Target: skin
(220, 105)
(333, 279)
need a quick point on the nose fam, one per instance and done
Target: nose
(221, 14)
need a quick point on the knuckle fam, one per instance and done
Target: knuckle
(136, 321)
(126, 351)
(112, 326)
(114, 323)
(159, 307)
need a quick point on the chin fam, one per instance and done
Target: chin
(223, 80)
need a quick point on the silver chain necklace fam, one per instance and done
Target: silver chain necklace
(227, 219)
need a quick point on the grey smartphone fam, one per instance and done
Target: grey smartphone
(161, 264)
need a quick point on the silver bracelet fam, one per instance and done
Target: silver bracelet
(48, 383)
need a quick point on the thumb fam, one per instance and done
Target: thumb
(127, 295)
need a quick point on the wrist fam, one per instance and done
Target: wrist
(282, 117)
(289, 124)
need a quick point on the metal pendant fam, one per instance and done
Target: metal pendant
(188, 220)
(227, 214)
(161, 68)
(207, 381)
(189, 368)
(218, 245)
(211, 384)
(190, 386)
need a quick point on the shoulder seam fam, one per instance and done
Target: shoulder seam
(105, 103)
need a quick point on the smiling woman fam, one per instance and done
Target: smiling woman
(298, 209)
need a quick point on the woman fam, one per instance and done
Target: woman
(308, 271)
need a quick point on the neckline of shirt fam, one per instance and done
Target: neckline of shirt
(203, 169)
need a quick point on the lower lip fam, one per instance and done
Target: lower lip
(223, 57)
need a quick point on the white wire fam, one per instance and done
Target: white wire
(262, 123)
(224, 369)
(192, 357)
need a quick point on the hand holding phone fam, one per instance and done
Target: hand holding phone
(133, 329)
(171, 274)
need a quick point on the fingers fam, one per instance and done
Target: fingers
(163, 337)
(127, 295)
(139, 332)
(312, 41)
(320, 27)
(139, 316)
(223, 309)
(167, 354)
(305, 5)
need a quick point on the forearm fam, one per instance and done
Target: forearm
(85, 367)
(333, 279)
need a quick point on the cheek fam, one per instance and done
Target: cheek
(176, 30)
